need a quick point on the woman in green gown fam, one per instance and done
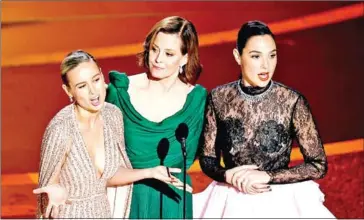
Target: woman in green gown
(154, 104)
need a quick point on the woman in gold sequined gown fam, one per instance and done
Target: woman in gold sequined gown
(83, 150)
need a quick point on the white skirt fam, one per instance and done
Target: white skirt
(296, 200)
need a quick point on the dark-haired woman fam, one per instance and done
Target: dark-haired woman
(251, 123)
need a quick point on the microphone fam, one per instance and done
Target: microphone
(181, 135)
(162, 151)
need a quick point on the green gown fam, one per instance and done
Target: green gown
(152, 198)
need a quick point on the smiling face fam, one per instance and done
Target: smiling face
(258, 60)
(165, 56)
(87, 86)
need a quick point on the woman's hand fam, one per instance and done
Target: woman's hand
(57, 195)
(163, 174)
(232, 175)
(254, 181)
(246, 179)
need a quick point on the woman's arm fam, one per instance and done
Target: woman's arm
(210, 156)
(124, 176)
(315, 163)
(54, 150)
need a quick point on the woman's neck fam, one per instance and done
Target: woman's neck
(87, 120)
(165, 85)
(254, 90)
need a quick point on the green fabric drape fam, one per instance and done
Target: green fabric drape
(142, 138)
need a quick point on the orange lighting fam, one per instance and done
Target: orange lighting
(290, 25)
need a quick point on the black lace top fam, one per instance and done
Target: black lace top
(250, 125)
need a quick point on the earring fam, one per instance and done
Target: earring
(71, 99)
(180, 69)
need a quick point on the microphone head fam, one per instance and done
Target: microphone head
(181, 132)
(162, 149)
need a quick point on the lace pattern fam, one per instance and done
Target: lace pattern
(258, 128)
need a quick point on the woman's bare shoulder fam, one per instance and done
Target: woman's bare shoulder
(190, 88)
(137, 80)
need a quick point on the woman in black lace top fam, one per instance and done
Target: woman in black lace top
(251, 123)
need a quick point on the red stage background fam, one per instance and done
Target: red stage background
(323, 62)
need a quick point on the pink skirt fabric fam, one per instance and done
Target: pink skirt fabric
(296, 200)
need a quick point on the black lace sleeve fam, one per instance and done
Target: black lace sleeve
(210, 153)
(315, 163)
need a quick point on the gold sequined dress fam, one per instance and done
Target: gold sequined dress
(63, 149)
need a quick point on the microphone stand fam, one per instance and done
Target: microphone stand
(161, 200)
(181, 135)
(184, 153)
(162, 151)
